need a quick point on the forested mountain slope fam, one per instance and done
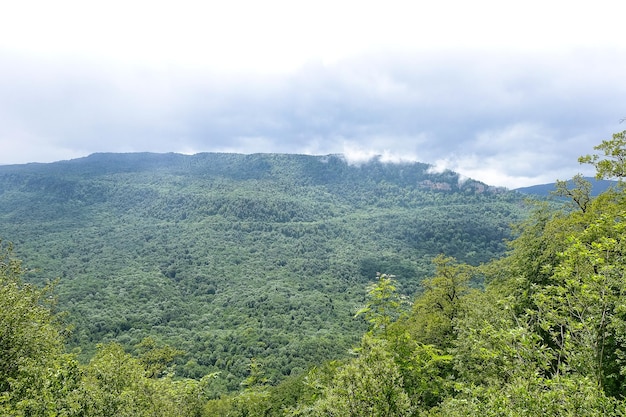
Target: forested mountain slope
(231, 257)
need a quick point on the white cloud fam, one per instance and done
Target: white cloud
(441, 165)
(467, 85)
(362, 151)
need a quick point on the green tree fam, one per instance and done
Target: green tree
(118, 384)
(369, 385)
(36, 377)
(583, 313)
(533, 256)
(156, 359)
(494, 343)
(613, 163)
(113, 383)
(580, 193)
(28, 330)
(383, 305)
(434, 311)
(531, 396)
(426, 370)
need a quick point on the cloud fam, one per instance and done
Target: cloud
(503, 117)
(517, 156)
(356, 154)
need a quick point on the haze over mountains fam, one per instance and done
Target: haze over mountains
(230, 256)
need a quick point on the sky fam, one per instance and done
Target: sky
(508, 93)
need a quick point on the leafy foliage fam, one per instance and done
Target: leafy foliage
(613, 165)
(30, 343)
(368, 385)
(384, 304)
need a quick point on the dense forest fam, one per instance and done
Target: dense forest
(232, 257)
(537, 330)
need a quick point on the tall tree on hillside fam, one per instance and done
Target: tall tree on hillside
(436, 308)
(580, 193)
(384, 304)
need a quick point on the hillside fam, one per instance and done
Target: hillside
(231, 257)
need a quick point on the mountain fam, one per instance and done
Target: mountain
(545, 190)
(231, 257)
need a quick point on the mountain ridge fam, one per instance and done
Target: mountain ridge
(228, 162)
(546, 190)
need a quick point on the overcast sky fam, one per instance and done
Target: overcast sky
(509, 93)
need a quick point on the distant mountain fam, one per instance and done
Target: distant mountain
(545, 190)
(230, 257)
